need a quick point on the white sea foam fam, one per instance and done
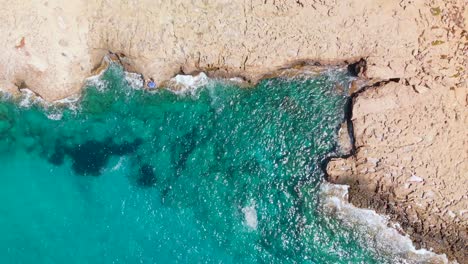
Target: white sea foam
(135, 80)
(250, 216)
(55, 116)
(188, 84)
(4, 96)
(97, 82)
(55, 109)
(375, 228)
(28, 98)
(71, 102)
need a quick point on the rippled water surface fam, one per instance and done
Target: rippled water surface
(221, 175)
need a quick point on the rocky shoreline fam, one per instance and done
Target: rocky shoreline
(408, 155)
(385, 176)
(436, 223)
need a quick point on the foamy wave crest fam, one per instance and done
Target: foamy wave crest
(97, 82)
(29, 98)
(55, 116)
(335, 73)
(374, 228)
(250, 216)
(5, 96)
(55, 109)
(70, 102)
(187, 84)
(134, 80)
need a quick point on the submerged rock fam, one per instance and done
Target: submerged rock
(146, 176)
(90, 157)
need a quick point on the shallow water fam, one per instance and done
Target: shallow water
(219, 175)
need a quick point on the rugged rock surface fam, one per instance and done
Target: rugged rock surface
(51, 46)
(411, 163)
(411, 140)
(411, 150)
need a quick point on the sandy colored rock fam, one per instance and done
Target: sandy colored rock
(411, 139)
(64, 42)
(412, 124)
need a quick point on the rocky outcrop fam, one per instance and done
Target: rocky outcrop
(410, 165)
(409, 157)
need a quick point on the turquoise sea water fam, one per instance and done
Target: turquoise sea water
(223, 175)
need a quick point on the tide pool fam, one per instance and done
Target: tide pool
(220, 175)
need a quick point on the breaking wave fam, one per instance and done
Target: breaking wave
(375, 229)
